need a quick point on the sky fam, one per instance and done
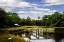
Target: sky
(32, 8)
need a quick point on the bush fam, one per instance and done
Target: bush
(52, 25)
(10, 38)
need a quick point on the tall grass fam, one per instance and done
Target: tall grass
(10, 38)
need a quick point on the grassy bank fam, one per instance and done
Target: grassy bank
(10, 38)
(28, 27)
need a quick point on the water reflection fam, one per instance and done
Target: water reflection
(44, 40)
(49, 36)
(56, 36)
(61, 40)
(59, 34)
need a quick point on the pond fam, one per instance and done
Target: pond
(40, 34)
(56, 36)
(34, 39)
(44, 40)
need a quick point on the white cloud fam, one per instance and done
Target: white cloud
(8, 9)
(13, 4)
(35, 12)
(42, 9)
(53, 2)
(21, 12)
(26, 15)
(50, 12)
(23, 4)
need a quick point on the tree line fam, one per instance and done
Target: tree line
(8, 19)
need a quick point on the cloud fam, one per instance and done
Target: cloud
(11, 4)
(21, 12)
(27, 9)
(53, 2)
(41, 9)
(34, 12)
(50, 12)
(26, 15)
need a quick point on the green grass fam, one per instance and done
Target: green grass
(29, 27)
(21, 27)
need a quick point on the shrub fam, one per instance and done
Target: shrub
(10, 38)
(52, 25)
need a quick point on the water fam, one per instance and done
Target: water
(58, 36)
(44, 40)
(41, 39)
(61, 40)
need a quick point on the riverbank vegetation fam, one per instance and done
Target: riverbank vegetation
(5, 37)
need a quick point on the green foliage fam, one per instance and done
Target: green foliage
(14, 19)
(55, 19)
(33, 22)
(52, 25)
(8, 19)
(3, 18)
(28, 21)
(46, 20)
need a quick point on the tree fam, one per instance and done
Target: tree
(46, 20)
(56, 18)
(13, 19)
(3, 18)
(33, 22)
(28, 21)
(62, 20)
